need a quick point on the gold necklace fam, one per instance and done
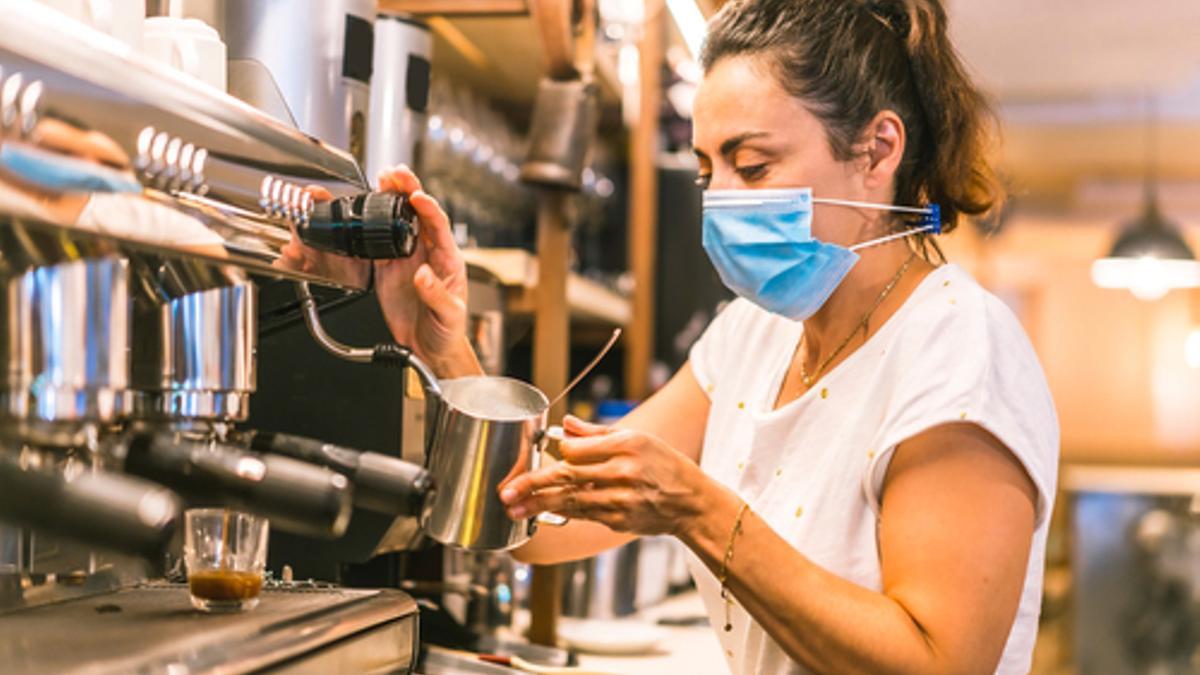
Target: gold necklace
(808, 380)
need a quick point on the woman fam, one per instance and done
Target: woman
(861, 451)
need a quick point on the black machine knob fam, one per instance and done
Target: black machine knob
(374, 225)
(105, 510)
(296, 496)
(382, 483)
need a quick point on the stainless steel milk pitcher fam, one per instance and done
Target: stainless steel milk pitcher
(481, 431)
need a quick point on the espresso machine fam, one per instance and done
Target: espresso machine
(308, 62)
(143, 219)
(131, 307)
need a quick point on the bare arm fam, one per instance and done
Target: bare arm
(955, 534)
(677, 414)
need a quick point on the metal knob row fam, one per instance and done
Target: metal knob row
(281, 199)
(19, 103)
(168, 163)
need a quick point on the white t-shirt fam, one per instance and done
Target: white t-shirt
(813, 469)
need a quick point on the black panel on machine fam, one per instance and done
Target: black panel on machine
(360, 48)
(305, 391)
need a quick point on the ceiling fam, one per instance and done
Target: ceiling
(511, 56)
(1022, 50)
(1071, 79)
(1076, 82)
(1057, 49)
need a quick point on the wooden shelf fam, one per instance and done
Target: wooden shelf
(517, 272)
(455, 7)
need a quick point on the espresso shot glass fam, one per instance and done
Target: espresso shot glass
(225, 553)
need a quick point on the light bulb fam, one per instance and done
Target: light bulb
(1147, 278)
(1191, 348)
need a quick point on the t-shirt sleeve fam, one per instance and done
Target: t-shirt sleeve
(709, 354)
(979, 370)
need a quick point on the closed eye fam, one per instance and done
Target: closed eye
(752, 172)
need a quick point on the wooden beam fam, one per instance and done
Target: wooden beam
(455, 7)
(544, 594)
(551, 341)
(551, 359)
(643, 203)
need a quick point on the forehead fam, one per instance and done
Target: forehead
(740, 94)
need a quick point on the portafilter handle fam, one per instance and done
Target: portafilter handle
(105, 510)
(296, 496)
(382, 483)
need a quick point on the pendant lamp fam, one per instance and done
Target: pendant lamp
(1150, 257)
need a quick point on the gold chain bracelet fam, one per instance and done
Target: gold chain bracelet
(724, 577)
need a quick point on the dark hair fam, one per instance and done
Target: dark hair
(847, 60)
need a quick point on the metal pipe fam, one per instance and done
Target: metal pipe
(396, 355)
(312, 319)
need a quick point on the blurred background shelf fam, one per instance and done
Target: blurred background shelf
(589, 301)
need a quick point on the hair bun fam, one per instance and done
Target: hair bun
(894, 15)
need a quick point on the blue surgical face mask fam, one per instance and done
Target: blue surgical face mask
(762, 245)
(59, 173)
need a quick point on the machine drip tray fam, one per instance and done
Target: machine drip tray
(154, 629)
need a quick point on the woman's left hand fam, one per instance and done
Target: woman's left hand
(628, 480)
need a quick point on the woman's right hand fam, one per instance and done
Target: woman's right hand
(424, 297)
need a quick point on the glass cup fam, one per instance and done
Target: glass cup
(225, 552)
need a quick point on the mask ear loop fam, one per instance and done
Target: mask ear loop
(892, 237)
(919, 210)
(931, 219)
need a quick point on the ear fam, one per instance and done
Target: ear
(884, 139)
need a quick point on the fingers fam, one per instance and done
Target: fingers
(604, 505)
(435, 295)
(619, 471)
(595, 449)
(435, 224)
(319, 193)
(399, 179)
(560, 475)
(291, 257)
(93, 145)
(577, 427)
(288, 262)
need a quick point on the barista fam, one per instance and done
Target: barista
(861, 451)
(51, 196)
(83, 179)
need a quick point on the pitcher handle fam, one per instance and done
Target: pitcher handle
(553, 519)
(552, 433)
(556, 434)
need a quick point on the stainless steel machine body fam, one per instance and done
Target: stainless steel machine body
(215, 162)
(203, 359)
(129, 340)
(67, 346)
(315, 73)
(295, 629)
(399, 91)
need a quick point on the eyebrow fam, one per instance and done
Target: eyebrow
(730, 145)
